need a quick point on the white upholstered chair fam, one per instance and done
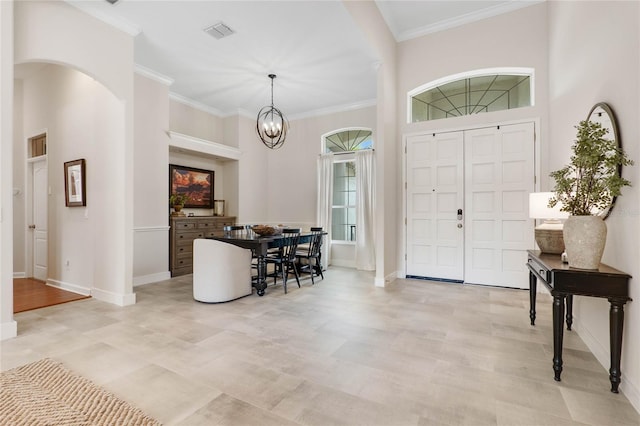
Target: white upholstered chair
(221, 271)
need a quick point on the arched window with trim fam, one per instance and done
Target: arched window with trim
(472, 92)
(344, 143)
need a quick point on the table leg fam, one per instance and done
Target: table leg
(569, 311)
(616, 321)
(533, 283)
(558, 329)
(261, 282)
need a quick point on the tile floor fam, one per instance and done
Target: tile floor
(341, 352)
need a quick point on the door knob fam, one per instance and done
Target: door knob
(32, 227)
(459, 225)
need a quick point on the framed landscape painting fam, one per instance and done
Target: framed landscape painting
(197, 184)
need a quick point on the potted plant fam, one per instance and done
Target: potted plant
(586, 188)
(177, 201)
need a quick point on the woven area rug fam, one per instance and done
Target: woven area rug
(46, 393)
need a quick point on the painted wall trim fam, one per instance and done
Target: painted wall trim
(8, 330)
(195, 104)
(118, 299)
(224, 152)
(153, 75)
(151, 228)
(335, 109)
(74, 288)
(151, 278)
(19, 275)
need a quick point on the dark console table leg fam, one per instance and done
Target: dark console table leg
(558, 329)
(569, 311)
(533, 281)
(616, 321)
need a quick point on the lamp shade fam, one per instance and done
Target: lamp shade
(539, 207)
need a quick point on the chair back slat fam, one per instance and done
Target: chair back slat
(290, 238)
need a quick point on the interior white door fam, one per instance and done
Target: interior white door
(39, 226)
(435, 179)
(499, 175)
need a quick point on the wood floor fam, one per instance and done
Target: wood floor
(29, 294)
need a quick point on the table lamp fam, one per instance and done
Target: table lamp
(548, 234)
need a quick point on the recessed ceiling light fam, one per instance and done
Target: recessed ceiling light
(219, 30)
(113, 1)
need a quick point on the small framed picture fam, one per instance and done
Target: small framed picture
(75, 183)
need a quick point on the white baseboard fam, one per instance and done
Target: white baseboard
(118, 299)
(69, 287)
(602, 355)
(19, 275)
(344, 263)
(8, 330)
(151, 278)
(382, 282)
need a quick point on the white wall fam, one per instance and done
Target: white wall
(189, 120)
(82, 119)
(55, 32)
(387, 204)
(594, 54)
(515, 39)
(8, 327)
(19, 210)
(151, 157)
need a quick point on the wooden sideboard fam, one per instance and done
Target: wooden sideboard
(186, 229)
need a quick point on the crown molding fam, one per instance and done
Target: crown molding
(153, 75)
(195, 104)
(466, 19)
(334, 109)
(118, 23)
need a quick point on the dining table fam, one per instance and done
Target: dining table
(259, 245)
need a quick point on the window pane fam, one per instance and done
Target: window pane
(472, 96)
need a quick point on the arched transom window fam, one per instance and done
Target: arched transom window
(473, 92)
(348, 140)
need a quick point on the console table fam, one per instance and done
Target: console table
(564, 282)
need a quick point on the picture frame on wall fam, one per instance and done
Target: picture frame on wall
(75, 183)
(196, 183)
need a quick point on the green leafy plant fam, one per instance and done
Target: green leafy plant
(178, 199)
(587, 185)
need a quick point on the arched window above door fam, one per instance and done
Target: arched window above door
(472, 92)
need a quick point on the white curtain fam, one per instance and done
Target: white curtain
(365, 202)
(325, 202)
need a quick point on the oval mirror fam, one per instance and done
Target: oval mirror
(603, 114)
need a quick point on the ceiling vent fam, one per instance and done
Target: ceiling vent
(219, 30)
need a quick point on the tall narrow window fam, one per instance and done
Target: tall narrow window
(344, 144)
(472, 93)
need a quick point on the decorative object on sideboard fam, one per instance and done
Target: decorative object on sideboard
(549, 233)
(75, 183)
(587, 188)
(218, 207)
(271, 125)
(177, 201)
(197, 184)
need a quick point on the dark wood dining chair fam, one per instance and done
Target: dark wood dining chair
(284, 260)
(311, 253)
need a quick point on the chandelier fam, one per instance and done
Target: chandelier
(272, 125)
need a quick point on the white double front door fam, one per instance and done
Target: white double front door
(467, 205)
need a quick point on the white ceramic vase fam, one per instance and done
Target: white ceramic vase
(584, 240)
